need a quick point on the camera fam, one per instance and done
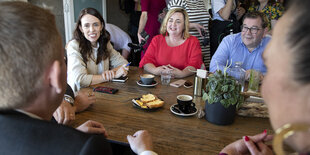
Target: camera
(139, 47)
(205, 39)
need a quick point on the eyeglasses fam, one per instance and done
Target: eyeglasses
(253, 30)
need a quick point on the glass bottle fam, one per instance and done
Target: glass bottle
(239, 74)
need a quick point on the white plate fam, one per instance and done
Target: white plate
(182, 114)
(145, 85)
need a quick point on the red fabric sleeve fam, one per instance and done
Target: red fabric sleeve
(145, 5)
(150, 54)
(195, 55)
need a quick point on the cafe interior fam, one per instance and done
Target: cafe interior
(185, 109)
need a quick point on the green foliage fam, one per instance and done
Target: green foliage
(223, 88)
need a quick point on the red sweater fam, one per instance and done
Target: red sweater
(160, 53)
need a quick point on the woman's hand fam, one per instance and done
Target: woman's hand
(241, 146)
(93, 127)
(108, 75)
(140, 38)
(160, 69)
(196, 26)
(121, 71)
(258, 148)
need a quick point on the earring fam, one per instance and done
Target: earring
(284, 132)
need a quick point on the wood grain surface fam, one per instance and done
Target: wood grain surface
(171, 134)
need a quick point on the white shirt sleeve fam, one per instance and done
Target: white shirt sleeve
(217, 5)
(148, 153)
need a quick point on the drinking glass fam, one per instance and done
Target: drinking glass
(254, 80)
(165, 77)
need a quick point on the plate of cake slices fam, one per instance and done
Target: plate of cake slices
(148, 102)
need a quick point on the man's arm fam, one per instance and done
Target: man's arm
(226, 10)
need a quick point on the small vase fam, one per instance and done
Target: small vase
(217, 114)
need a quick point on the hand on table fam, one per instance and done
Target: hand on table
(160, 69)
(175, 72)
(246, 147)
(93, 127)
(121, 71)
(108, 75)
(84, 99)
(65, 113)
(140, 141)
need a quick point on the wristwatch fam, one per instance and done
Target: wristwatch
(69, 99)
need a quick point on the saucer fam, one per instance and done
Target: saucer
(154, 83)
(175, 110)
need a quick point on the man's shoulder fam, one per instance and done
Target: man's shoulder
(33, 136)
(232, 38)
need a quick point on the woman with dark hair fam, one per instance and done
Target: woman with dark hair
(271, 8)
(91, 57)
(285, 87)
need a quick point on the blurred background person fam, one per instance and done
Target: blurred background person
(199, 21)
(174, 50)
(119, 39)
(286, 87)
(272, 9)
(149, 20)
(91, 57)
(226, 15)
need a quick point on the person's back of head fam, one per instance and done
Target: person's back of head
(298, 39)
(28, 42)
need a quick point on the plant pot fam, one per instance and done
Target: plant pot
(217, 114)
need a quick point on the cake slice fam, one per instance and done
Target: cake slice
(148, 98)
(155, 104)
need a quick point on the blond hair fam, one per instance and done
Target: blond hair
(163, 28)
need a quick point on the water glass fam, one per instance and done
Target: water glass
(165, 77)
(254, 80)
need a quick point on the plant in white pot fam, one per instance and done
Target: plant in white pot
(222, 96)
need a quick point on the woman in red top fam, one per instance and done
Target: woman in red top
(174, 49)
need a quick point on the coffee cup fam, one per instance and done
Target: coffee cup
(147, 79)
(185, 103)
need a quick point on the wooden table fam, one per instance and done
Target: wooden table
(171, 134)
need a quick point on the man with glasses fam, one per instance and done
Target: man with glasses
(246, 47)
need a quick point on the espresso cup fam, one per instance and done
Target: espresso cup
(185, 103)
(147, 79)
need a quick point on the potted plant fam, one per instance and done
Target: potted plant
(222, 97)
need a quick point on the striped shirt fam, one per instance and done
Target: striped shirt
(197, 13)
